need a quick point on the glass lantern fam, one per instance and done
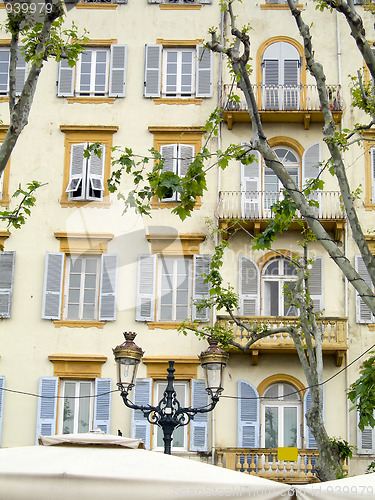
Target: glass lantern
(213, 361)
(127, 356)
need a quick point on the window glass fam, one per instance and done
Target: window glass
(278, 281)
(82, 288)
(93, 73)
(175, 288)
(77, 403)
(178, 72)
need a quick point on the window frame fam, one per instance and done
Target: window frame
(61, 404)
(179, 94)
(281, 278)
(157, 394)
(164, 136)
(86, 134)
(369, 146)
(94, 51)
(280, 404)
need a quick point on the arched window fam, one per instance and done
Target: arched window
(272, 185)
(281, 75)
(278, 280)
(281, 416)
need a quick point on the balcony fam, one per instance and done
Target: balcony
(282, 103)
(254, 209)
(333, 330)
(263, 462)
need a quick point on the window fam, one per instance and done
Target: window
(372, 155)
(272, 283)
(260, 187)
(99, 72)
(181, 2)
(86, 176)
(180, 435)
(271, 416)
(76, 406)
(84, 403)
(176, 70)
(87, 295)
(278, 277)
(85, 179)
(21, 71)
(281, 77)
(178, 146)
(174, 288)
(193, 437)
(281, 417)
(2, 391)
(363, 312)
(177, 159)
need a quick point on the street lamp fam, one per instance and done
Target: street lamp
(169, 414)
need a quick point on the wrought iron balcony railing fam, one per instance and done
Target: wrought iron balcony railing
(256, 205)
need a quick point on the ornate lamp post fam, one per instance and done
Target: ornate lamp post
(169, 414)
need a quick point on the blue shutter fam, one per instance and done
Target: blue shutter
(152, 81)
(365, 439)
(141, 428)
(363, 312)
(316, 284)
(108, 288)
(47, 406)
(117, 81)
(201, 289)
(251, 187)
(199, 425)
(102, 407)
(2, 387)
(53, 282)
(7, 260)
(248, 415)
(310, 441)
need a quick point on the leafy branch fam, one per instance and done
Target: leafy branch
(18, 216)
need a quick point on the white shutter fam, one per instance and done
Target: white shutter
(155, 1)
(249, 281)
(248, 415)
(372, 156)
(7, 261)
(204, 72)
(21, 71)
(199, 425)
(146, 282)
(1, 180)
(5, 63)
(201, 290)
(2, 391)
(65, 81)
(108, 288)
(311, 159)
(186, 156)
(141, 428)
(363, 312)
(102, 405)
(316, 284)
(250, 188)
(117, 80)
(95, 174)
(77, 173)
(205, 2)
(152, 80)
(365, 439)
(270, 84)
(291, 84)
(47, 405)
(53, 282)
(169, 152)
(310, 441)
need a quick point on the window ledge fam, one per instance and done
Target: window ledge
(275, 6)
(4, 202)
(172, 204)
(166, 325)
(91, 100)
(179, 7)
(369, 206)
(79, 324)
(91, 204)
(4, 98)
(106, 6)
(177, 100)
(371, 326)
